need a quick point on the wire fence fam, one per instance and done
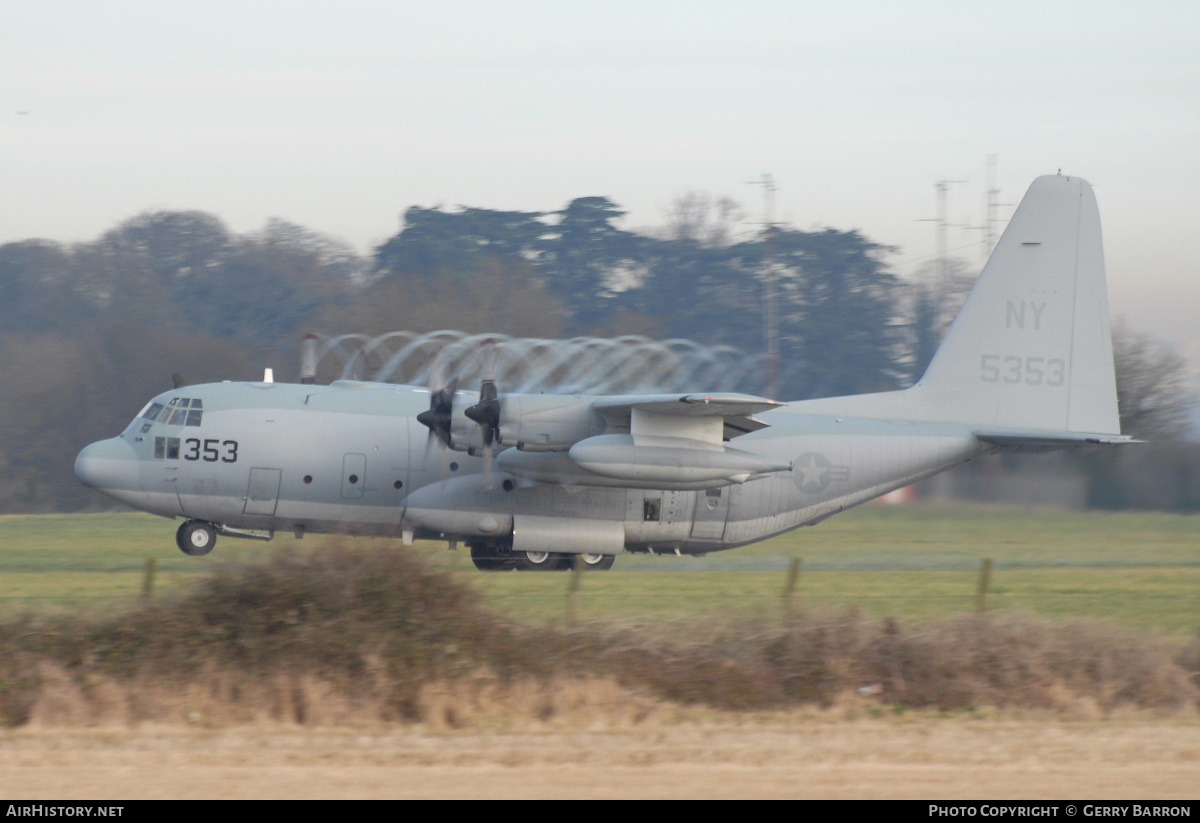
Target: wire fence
(1161, 597)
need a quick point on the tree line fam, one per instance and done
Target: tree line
(90, 330)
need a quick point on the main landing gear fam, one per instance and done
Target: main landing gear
(490, 557)
(541, 561)
(196, 538)
(597, 562)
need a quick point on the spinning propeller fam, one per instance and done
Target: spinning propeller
(487, 411)
(439, 417)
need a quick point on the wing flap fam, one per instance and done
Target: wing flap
(701, 405)
(735, 410)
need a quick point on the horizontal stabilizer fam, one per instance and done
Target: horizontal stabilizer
(1015, 441)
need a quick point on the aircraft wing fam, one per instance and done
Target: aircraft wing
(651, 441)
(736, 410)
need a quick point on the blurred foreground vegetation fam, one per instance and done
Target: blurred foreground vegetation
(367, 633)
(1086, 612)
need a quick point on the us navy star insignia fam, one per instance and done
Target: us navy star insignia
(814, 472)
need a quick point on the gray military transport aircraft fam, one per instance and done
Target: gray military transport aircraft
(538, 480)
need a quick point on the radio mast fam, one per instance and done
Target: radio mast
(770, 289)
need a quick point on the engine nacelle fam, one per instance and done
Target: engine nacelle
(465, 434)
(547, 422)
(557, 468)
(668, 460)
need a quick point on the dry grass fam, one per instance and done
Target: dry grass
(345, 637)
(809, 754)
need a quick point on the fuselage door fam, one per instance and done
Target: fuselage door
(160, 481)
(712, 511)
(354, 475)
(262, 495)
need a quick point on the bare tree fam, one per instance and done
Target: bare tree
(1154, 402)
(702, 218)
(934, 297)
(1152, 390)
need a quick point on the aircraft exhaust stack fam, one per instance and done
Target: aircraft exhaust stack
(308, 360)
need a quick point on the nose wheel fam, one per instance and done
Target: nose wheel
(196, 538)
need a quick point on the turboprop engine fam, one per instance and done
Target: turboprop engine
(547, 422)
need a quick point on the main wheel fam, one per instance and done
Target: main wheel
(196, 538)
(486, 564)
(485, 559)
(597, 562)
(542, 561)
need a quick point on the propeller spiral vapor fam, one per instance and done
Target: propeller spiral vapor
(580, 365)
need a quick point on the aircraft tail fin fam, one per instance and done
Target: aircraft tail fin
(1031, 348)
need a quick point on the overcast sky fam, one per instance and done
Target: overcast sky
(340, 115)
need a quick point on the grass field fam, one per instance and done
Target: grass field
(914, 563)
(92, 733)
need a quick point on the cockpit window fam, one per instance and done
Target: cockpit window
(181, 411)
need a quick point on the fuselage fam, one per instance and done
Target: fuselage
(352, 458)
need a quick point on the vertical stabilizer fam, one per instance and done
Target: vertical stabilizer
(1031, 348)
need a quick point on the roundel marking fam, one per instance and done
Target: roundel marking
(813, 472)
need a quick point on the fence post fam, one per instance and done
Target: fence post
(789, 590)
(148, 577)
(573, 590)
(985, 584)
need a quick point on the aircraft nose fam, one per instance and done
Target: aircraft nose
(108, 465)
